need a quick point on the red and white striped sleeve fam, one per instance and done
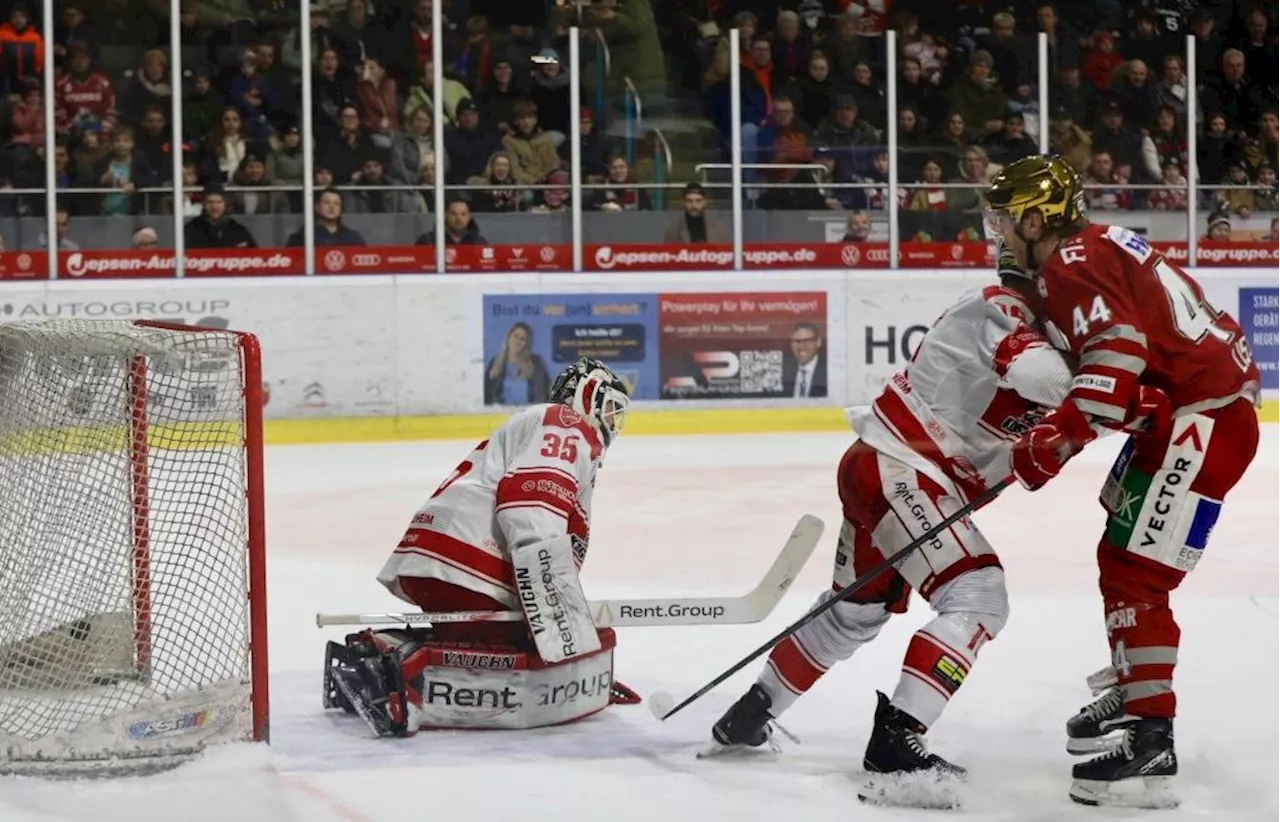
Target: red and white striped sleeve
(539, 496)
(1090, 305)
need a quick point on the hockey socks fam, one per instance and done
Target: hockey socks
(937, 661)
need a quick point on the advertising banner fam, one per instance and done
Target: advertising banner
(325, 351)
(551, 257)
(887, 320)
(744, 344)
(1260, 319)
(529, 338)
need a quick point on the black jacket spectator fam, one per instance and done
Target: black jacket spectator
(1233, 94)
(469, 144)
(204, 233)
(324, 237)
(471, 236)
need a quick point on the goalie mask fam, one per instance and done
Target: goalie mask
(596, 394)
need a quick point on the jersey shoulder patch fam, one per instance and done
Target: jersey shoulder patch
(1007, 302)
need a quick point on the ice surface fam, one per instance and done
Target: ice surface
(707, 515)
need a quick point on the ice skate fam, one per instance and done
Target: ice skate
(1099, 726)
(900, 769)
(1137, 774)
(748, 724)
(364, 684)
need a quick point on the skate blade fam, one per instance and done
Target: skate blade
(928, 790)
(1093, 745)
(360, 706)
(1149, 792)
(769, 750)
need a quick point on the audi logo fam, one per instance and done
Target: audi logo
(878, 255)
(365, 260)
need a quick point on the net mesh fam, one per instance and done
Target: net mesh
(124, 613)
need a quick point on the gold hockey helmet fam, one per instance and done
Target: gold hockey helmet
(1043, 182)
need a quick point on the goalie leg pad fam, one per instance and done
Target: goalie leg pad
(552, 599)
(452, 685)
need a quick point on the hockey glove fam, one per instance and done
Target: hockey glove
(1039, 454)
(1150, 412)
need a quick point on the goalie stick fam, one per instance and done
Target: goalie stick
(629, 613)
(662, 704)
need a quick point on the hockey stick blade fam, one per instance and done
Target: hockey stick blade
(861, 582)
(629, 613)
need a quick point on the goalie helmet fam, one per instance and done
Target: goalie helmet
(591, 389)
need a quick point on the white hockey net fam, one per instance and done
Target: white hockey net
(130, 556)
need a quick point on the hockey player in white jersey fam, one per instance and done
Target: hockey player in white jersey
(935, 439)
(506, 531)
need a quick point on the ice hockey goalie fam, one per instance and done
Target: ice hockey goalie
(506, 531)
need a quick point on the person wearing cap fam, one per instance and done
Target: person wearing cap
(1073, 94)
(215, 228)
(496, 100)
(1068, 140)
(257, 196)
(468, 143)
(145, 238)
(1237, 200)
(1123, 142)
(285, 164)
(554, 200)
(1219, 228)
(375, 195)
(693, 226)
(845, 133)
(550, 93)
(201, 105)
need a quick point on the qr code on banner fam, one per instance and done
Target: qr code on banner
(760, 372)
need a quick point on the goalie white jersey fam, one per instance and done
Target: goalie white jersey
(980, 378)
(529, 482)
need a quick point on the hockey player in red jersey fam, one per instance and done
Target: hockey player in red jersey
(936, 438)
(1150, 347)
(506, 531)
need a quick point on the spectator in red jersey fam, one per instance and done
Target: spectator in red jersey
(1102, 61)
(215, 228)
(83, 96)
(21, 50)
(28, 116)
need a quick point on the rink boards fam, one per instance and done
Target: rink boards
(389, 357)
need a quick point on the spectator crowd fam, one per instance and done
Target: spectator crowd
(813, 107)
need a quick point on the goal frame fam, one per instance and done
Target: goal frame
(250, 353)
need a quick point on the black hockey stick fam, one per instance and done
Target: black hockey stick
(658, 702)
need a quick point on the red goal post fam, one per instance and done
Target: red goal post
(133, 614)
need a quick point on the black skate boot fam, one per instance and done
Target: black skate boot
(903, 771)
(748, 724)
(363, 681)
(1138, 774)
(1098, 727)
